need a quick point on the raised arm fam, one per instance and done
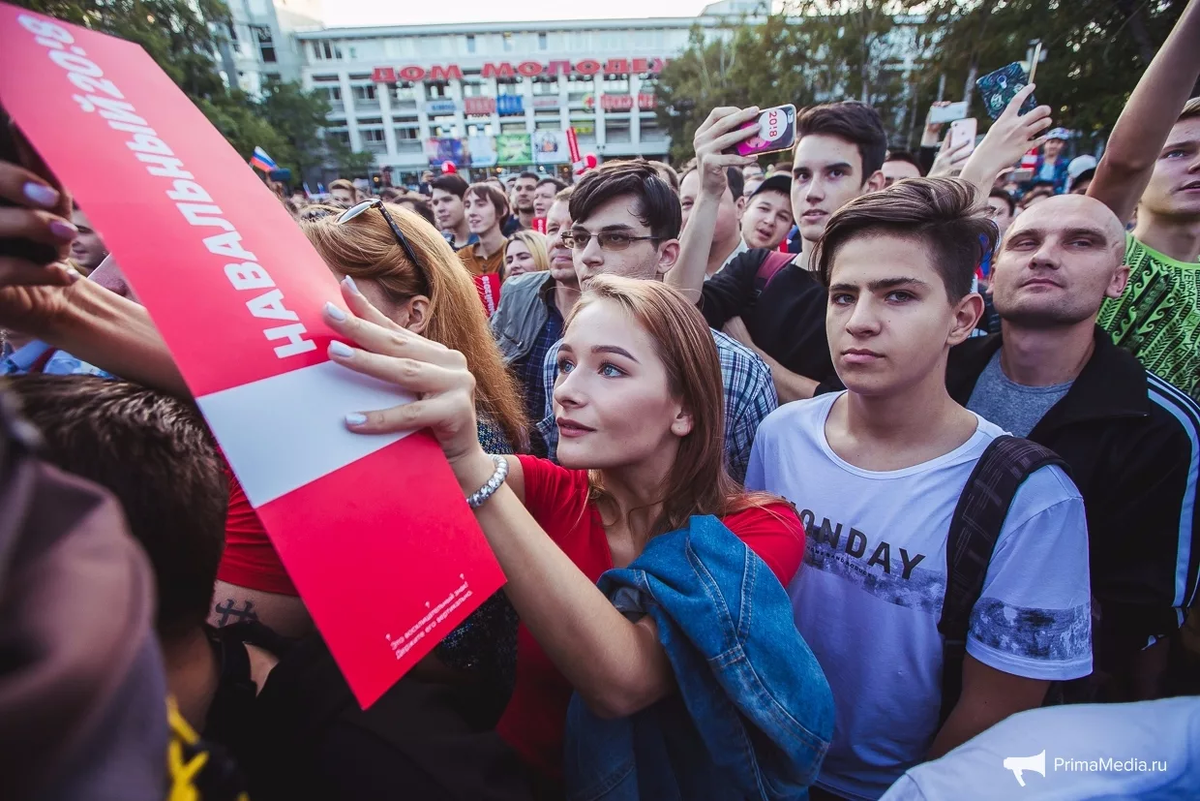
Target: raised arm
(617, 666)
(54, 304)
(716, 134)
(1144, 124)
(1006, 141)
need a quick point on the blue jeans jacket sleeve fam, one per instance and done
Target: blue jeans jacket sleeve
(753, 715)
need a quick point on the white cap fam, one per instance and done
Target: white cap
(1080, 165)
(1059, 133)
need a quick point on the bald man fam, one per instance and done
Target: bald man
(1053, 376)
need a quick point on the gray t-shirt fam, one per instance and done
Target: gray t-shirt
(1014, 407)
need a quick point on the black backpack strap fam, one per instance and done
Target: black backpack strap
(974, 529)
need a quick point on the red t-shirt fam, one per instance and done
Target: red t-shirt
(249, 559)
(534, 721)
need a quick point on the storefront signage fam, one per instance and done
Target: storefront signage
(441, 107)
(523, 69)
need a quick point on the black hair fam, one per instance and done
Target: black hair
(737, 181)
(453, 184)
(528, 174)
(558, 185)
(657, 206)
(943, 213)
(418, 206)
(905, 156)
(156, 455)
(852, 121)
(1007, 198)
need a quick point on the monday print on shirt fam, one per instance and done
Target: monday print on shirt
(868, 598)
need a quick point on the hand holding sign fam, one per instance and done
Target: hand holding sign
(35, 212)
(239, 308)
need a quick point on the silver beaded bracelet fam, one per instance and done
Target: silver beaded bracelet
(489, 489)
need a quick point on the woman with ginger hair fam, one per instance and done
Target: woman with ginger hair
(642, 495)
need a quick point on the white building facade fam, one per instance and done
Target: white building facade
(505, 93)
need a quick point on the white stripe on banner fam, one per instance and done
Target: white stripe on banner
(290, 428)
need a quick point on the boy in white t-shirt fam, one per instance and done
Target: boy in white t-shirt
(876, 473)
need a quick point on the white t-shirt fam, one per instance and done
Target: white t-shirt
(1148, 750)
(868, 597)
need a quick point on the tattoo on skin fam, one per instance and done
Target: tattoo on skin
(230, 609)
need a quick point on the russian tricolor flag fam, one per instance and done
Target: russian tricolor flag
(262, 161)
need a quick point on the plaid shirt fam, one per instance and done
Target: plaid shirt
(530, 370)
(749, 397)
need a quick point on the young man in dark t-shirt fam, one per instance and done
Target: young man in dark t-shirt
(840, 148)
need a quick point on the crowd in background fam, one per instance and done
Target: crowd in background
(862, 474)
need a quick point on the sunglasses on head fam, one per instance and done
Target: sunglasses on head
(352, 212)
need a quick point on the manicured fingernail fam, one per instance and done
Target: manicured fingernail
(334, 313)
(341, 349)
(63, 230)
(355, 419)
(41, 194)
(69, 273)
(348, 282)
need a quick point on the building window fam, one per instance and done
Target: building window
(325, 51)
(369, 121)
(371, 134)
(617, 130)
(472, 88)
(480, 130)
(364, 93)
(616, 84)
(471, 43)
(508, 87)
(545, 86)
(512, 127)
(437, 91)
(333, 93)
(508, 43)
(541, 41)
(342, 136)
(404, 91)
(408, 133)
(266, 47)
(353, 53)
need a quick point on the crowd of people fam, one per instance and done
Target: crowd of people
(847, 478)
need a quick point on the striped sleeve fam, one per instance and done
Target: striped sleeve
(1187, 562)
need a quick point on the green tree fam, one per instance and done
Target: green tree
(739, 64)
(1095, 50)
(298, 116)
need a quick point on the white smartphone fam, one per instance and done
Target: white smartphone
(949, 112)
(962, 132)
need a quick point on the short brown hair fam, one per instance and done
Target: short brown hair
(852, 121)
(656, 206)
(155, 454)
(943, 213)
(494, 195)
(342, 183)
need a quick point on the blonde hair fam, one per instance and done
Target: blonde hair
(366, 249)
(698, 483)
(1191, 110)
(537, 248)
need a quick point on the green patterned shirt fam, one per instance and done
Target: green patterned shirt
(1157, 318)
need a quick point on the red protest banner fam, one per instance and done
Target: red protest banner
(373, 531)
(573, 145)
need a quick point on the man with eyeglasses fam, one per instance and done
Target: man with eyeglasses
(533, 306)
(626, 222)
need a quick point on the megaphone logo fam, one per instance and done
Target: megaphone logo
(1017, 765)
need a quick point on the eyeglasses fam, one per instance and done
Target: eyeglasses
(352, 212)
(609, 240)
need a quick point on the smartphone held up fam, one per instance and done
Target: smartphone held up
(776, 132)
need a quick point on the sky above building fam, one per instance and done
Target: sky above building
(405, 12)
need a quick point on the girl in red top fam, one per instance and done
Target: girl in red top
(639, 408)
